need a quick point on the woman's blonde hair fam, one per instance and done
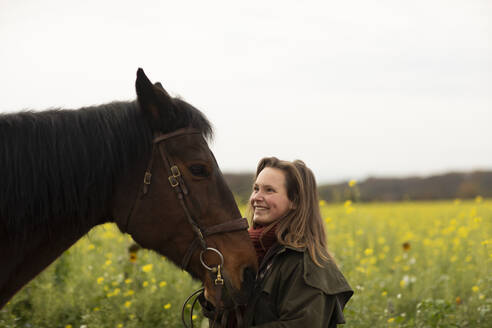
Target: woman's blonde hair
(302, 226)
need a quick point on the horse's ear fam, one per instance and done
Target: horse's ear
(159, 85)
(154, 101)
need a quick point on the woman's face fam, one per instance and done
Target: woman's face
(269, 197)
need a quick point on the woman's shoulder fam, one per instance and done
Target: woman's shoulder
(327, 278)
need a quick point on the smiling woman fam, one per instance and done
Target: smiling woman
(298, 282)
(269, 199)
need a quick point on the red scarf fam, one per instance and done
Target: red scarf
(262, 241)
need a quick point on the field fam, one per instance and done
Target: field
(425, 264)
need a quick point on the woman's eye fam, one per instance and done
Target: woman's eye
(199, 170)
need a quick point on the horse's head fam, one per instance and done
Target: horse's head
(177, 195)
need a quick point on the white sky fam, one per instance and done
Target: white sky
(353, 88)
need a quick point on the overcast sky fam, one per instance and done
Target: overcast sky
(354, 88)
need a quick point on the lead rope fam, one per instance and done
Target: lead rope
(191, 310)
(219, 284)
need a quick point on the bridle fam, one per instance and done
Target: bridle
(178, 184)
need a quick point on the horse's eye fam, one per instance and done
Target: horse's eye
(199, 170)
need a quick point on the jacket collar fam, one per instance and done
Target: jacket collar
(275, 250)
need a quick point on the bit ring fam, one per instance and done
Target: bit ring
(213, 250)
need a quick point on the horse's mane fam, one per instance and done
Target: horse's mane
(62, 164)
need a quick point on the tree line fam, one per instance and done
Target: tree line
(445, 186)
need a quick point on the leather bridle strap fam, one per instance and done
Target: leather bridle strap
(176, 180)
(177, 183)
(229, 226)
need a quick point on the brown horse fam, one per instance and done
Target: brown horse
(62, 172)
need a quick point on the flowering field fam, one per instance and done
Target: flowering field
(426, 264)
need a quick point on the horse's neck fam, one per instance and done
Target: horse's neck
(22, 265)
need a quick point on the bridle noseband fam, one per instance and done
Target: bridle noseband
(178, 184)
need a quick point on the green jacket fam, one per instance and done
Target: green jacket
(292, 291)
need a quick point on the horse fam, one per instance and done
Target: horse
(144, 165)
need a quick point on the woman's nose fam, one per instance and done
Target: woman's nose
(258, 195)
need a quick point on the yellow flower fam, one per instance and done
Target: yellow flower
(384, 293)
(128, 304)
(96, 309)
(147, 268)
(402, 283)
(478, 199)
(120, 325)
(107, 263)
(463, 232)
(347, 203)
(128, 281)
(458, 300)
(129, 293)
(481, 296)
(145, 284)
(475, 289)
(368, 251)
(352, 183)
(91, 247)
(322, 203)
(162, 284)
(100, 280)
(116, 291)
(390, 320)
(328, 220)
(193, 317)
(68, 326)
(167, 306)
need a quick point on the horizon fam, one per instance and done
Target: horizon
(403, 176)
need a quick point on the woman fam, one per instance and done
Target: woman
(298, 283)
